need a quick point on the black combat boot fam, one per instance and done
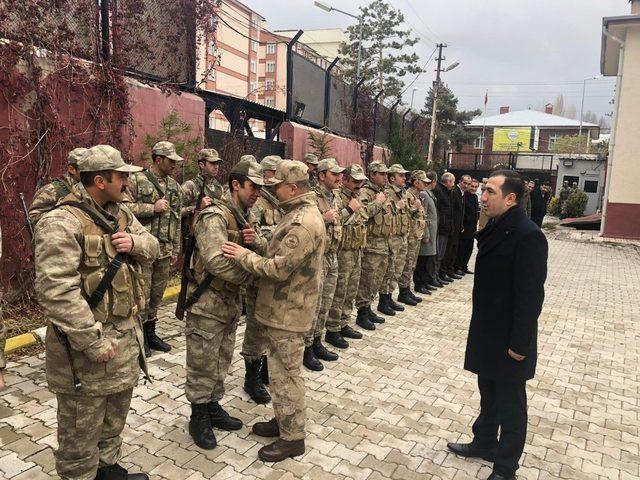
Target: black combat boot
(362, 320)
(348, 332)
(336, 339)
(396, 306)
(310, 361)
(155, 342)
(373, 317)
(404, 297)
(221, 419)
(383, 304)
(200, 426)
(117, 472)
(253, 383)
(321, 352)
(416, 298)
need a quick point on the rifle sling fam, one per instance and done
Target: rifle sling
(154, 182)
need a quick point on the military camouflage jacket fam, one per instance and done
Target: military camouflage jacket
(71, 255)
(267, 216)
(191, 190)
(328, 200)
(379, 214)
(416, 215)
(289, 272)
(48, 196)
(354, 229)
(142, 195)
(212, 227)
(401, 221)
(313, 179)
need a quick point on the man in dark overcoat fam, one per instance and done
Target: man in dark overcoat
(508, 292)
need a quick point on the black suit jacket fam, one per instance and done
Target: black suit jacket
(470, 217)
(508, 292)
(457, 209)
(443, 205)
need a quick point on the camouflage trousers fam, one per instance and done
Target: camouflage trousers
(286, 383)
(254, 345)
(413, 249)
(329, 280)
(210, 344)
(155, 276)
(349, 264)
(375, 258)
(398, 246)
(89, 433)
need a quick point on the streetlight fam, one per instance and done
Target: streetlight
(413, 92)
(584, 87)
(329, 8)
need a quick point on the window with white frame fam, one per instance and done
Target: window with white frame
(270, 84)
(269, 102)
(478, 143)
(254, 45)
(271, 48)
(212, 74)
(254, 66)
(553, 139)
(253, 86)
(254, 21)
(271, 67)
(212, 48)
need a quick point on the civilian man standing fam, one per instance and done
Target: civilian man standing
(443, 194)
(469, 228)
(508, 292)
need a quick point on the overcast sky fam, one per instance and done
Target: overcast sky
(525, 52)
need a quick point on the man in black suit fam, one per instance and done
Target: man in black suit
(443, 196)
(508, 292)
(457, 214)
(469, 228)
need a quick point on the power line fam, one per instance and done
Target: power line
(420, 73)
(437, 37)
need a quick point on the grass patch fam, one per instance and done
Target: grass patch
(22, 315)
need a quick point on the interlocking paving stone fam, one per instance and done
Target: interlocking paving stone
(391, 403)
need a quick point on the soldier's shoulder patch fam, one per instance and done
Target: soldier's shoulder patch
(291, 241)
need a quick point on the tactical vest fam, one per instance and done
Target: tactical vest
(401, 219)
(218, 285)
(354, 230)
(163, 226)
(381, 224)
(125, 296)
(334, 230)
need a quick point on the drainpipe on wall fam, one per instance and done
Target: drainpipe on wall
(612, 139)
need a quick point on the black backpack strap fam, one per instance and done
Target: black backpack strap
(154, 182)
(98, 294)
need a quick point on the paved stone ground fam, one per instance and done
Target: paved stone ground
(393, 401)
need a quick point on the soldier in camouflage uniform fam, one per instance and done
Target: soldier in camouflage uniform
(212, 320)
(266, 214)
(375, 255)
(312, 164)
(354, 237)
(156, 200)
(289, 289)
(417, 224)
(93, 355)
(334, 213)
(205, 186)
(48, 196)
(3, 331)
(398, 239)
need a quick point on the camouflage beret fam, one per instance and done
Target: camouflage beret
(105, 157)
(289, 171)
(330, 164)
(167, 149)
(250, 169)
(356, 172)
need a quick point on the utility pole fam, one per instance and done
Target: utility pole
(436, 88)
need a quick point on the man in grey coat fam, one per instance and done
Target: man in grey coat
(425, 275)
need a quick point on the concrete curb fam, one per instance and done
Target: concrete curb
(28, 339)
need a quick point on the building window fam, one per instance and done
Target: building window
(254, 21)
(271, 67)
(590, 186)
(553, 139)
(271, 48)
(253, 66)
(269, 102)
(212, 48)
(254, 45)
(212, 75)
(270, 84)
(478, 143)
(253, 86)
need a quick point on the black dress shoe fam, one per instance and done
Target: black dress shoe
(454, 275)
(467, 271)
(348, 332)
(431, 287)
(498, 476)
(471, 451)
(423, 289)
(460, 272)
(445, 280)
(335, 339)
